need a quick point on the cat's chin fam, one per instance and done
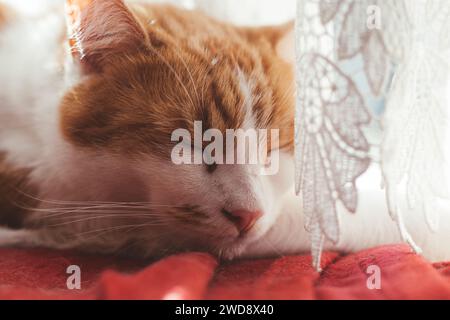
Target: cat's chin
(231, 253)
(235, 251)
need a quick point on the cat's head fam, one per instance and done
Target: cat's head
(146, 72)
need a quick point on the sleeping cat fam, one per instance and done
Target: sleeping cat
(87, 112)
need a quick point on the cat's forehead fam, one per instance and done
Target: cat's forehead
(175, 90)
(143, 101)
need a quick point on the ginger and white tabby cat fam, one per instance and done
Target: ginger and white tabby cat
(87, 112)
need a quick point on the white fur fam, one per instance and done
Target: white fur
(11, 238)
(246, 87)
(31, 87)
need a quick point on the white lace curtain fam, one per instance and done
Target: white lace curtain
(373, 86)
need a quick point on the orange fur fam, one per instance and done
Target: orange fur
(142, 94)
(5, 14)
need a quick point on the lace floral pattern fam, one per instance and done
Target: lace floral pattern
(347, 65)
(414, 146)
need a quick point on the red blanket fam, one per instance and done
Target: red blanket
(41, 274)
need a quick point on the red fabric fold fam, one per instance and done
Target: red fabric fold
(182, 277)
(275, 279)
(404, 275)
(41, 274)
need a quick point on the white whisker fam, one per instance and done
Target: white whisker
(123, 216)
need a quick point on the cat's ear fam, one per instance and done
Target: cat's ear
(99, 30)
(281, 38)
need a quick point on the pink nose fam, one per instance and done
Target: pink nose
(243, 220)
